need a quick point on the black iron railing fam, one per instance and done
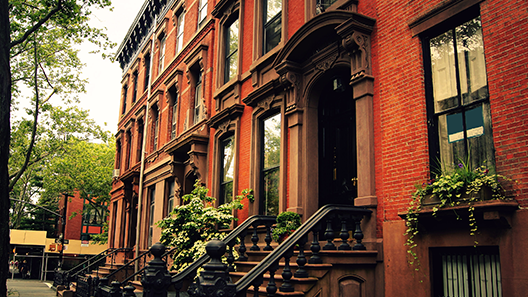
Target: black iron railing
(327, 224)
(326, 218)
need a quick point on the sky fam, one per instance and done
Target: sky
(102, 98)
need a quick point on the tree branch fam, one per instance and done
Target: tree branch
(35, 119)
(37, 25)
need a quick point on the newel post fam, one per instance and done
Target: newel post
(214, 281)
(156, 279)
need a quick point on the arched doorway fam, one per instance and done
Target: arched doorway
(337, 140)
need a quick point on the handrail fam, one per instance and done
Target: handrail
(231, 236)
(295, 237)
(127, 264)
(114, 251)
(88, 260)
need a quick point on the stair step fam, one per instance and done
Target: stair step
(300, 284)
(263, 292)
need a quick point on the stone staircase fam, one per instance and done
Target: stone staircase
(334, 261)
(319, 276)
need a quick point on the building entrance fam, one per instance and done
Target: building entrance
(337, 143)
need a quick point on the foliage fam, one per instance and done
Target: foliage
(30, 58)
(449, 186)
(62, 159)
(38, 219)
(191, 225)
(287, 223)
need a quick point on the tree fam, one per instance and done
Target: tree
(23, 27)
(86, 168)
(190, 226)
(57, 134)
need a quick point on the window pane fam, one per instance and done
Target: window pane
(161, 55)
(478, 134)
(174, 116)
(271, 192)
(271, 143)
(273, 7)
(197, 98)
(471, 63)
(226, 193)
(179, 37)
(228, 160)
(270, 165)
(231, 65)
(272, 33)
(443, 71)
(469, 272)
(272, 24)
(203, 11)
(170, 196)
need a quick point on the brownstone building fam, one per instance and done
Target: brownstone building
(350, 102)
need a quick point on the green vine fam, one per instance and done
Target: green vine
(449, 186)
(191, 225)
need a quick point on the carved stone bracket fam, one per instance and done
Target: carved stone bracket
(355, 35)
(358, 47)
(291, 79)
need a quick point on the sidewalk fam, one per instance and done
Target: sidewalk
(30, 288)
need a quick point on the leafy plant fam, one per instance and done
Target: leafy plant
(449, 186)
(287, 223)
(191, 225)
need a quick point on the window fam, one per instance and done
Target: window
(179, 30)
(161, 57)
(231, 51)
(202, 12)
(134, 95)
(272, 24)
(228, 168)
(141, 127)
(118, 154)
(270, 164)
(125, 91)
(147, 71)
(466, 272)
(458, 99)
(152, 196)
(129, 149)
(174, 112)
(323, 5)
(155, 127)
(198, 89)
(170, 196)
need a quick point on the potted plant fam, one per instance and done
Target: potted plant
(287, 223)
(452, 187)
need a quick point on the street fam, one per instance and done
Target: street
(29, 288)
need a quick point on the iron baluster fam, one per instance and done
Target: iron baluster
(268, 238)
(315, 248)
(286, 273)
(301, 260)
(230, 258)
(329, 235)
(255, 238)
(272, 287)
(358, 234)
(242, 247)
(344, 237)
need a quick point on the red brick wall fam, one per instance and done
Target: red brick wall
(505, 32)
(399, 102)
(73, 225)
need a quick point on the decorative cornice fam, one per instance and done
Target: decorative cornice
(226, 115)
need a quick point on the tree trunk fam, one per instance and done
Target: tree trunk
(5, 135)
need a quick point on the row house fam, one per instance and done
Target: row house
(321, 102)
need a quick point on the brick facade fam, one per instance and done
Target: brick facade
(377, 47)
